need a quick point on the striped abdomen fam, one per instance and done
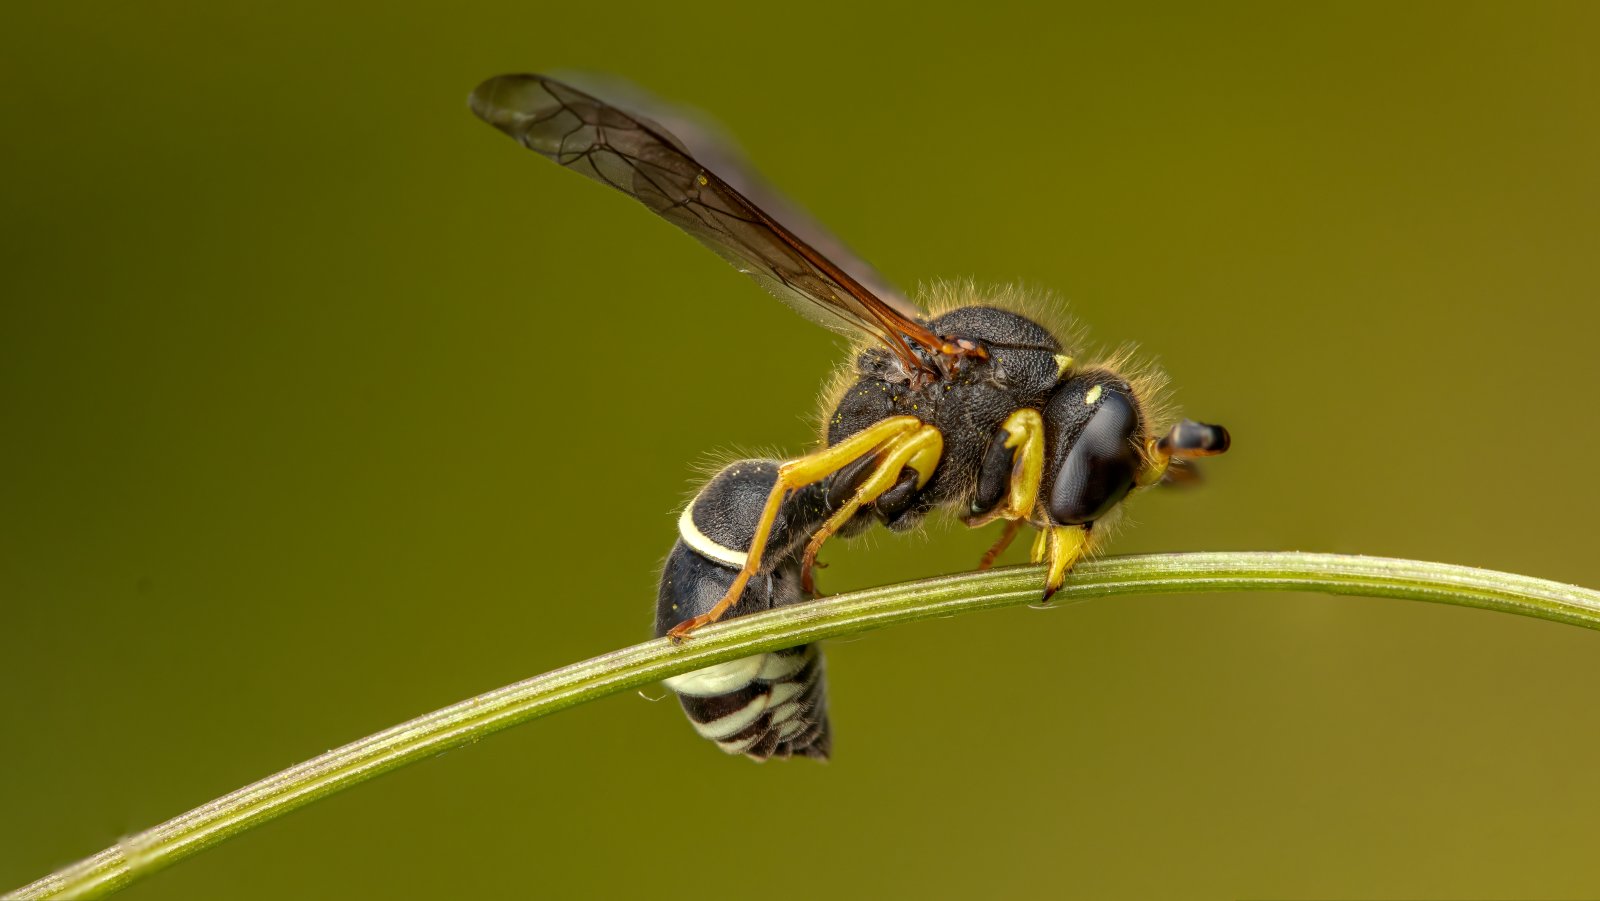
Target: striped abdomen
(776, 709)
(769, 705)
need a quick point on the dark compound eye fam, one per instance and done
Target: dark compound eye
(1100, 469)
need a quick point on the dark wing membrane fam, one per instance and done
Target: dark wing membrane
(642, 160)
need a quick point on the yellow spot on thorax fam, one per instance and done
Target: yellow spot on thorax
(702, 180)
(1063, 363)
(1092, 396)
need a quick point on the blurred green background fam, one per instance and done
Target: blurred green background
(325, 405)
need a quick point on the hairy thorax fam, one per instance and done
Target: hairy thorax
(1024, 363)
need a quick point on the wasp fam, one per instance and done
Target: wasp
(980, 409)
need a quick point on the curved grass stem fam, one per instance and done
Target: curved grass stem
(469, 720)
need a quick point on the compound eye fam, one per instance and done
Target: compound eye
(1100, 469)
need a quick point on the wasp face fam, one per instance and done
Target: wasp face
(1094, 434)
(1099, 447)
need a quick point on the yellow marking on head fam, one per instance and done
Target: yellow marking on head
(1149, 384)
(702, 180)
(1092, 396)
(1063, 363)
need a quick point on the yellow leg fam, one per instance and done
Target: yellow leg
(1026, 428)
(1061, 547)
(1066, 545)
(920, 450)
(1041, 546)
(1025, 436)
(794, 474)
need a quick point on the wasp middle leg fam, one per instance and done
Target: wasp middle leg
(908, 459)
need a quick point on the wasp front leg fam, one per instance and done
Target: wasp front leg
(1060, 548)
(1008, 488)
(877, 438)
(1009, 479)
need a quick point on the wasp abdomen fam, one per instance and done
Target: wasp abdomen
(768, 705)
(777, 709)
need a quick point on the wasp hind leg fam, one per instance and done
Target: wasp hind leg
(792, 475)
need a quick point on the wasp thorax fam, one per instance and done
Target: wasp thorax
(1093, 433)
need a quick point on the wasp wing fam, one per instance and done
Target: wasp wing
(711, 146)
(645, 161)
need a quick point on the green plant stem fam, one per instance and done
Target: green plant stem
(474, 718)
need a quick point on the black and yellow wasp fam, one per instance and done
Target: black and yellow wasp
(980, 410)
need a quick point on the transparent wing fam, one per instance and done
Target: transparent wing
(641, 159)
(715, 149)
